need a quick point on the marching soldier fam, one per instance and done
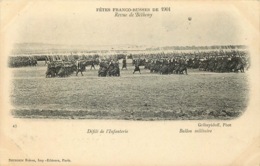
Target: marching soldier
(92, 65)
(137, 68)
(79, 69)
(124, 64)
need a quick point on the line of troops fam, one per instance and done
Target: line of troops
(215, 61)
(22, 61)
(178, 65)
(63, 68)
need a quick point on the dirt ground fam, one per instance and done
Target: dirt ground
(147, 96)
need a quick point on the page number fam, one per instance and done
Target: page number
(15, 126)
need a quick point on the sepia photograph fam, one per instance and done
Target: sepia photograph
(183, 66)
(129, 82)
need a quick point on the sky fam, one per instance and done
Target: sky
(78, 23)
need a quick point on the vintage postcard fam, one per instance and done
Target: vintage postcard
(129, 82)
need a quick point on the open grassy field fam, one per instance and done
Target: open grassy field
(146, 96)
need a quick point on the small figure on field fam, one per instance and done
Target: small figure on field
(124, 64)
(79, 67)
(92, 65)
(137, 68)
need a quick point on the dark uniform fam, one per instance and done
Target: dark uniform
(92, 65)
(79, 67)
(137, 67)
(124, 64)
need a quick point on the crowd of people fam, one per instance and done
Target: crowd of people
(22, 61)
(163, 63)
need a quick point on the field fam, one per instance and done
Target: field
(146, 96)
